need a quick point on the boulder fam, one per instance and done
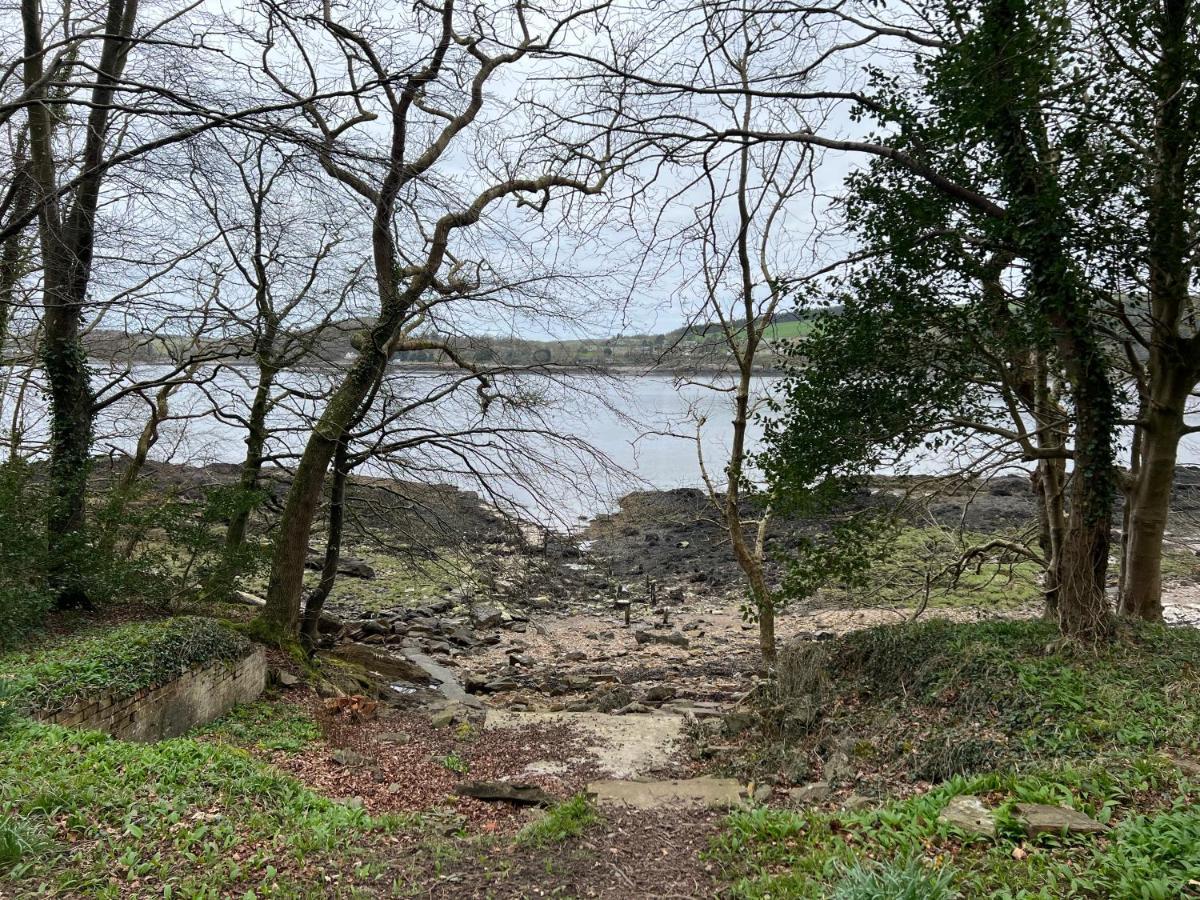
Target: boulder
(660, 693)
(391, 668)
(350, 566)
(1041, 818)
(967, 813)
(486, 615)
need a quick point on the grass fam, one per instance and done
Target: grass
(263, 725)
(1152, 851)
(121, 660)
(567, 820)
(180, 818)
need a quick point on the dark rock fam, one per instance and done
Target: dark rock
(392, 668)
(509, 792)
(660, 693)
(575, 656)
(612, 698)
(673, 638)
(349, 566)
(500, 685)
(486, 615)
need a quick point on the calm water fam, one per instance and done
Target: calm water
(559, 448)
(556, 448)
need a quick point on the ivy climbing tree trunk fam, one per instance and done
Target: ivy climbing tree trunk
(67, 238)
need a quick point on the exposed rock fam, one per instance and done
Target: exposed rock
(649, 636)
(1040, 818)
(968, 813)
(486, 615)
(395, 737)
(500, 685)
(349, 566)
(284, 678)
(450, 714)
(578, 682)
(738, 720)
(391, 668)
(575, 656)
(612, 698)
(837, 766)
(1186, 765)
(815, 792)
(855, 802)
(661, 693)
(520, 794)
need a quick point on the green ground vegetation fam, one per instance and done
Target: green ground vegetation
(915, 553)
(263, 725)
(1003, 711)
(903, 850)
(85, 815)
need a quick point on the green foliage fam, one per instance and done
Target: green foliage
(25, 597)
(180, 818)
(933, 682)
(455, 763)
(567, 820)
(1148, 853)
(17, 843)
(121, 660)
(163, 548)
(263, 725)
(907, 880)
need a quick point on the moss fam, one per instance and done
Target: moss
(120, 660)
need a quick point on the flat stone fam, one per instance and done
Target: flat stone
(968, 813)
(350, 758)
(1040, 818)
(509, 792)
(855, 802)
(395, 737)
(286, 679)
(815, 792)
(713, 793)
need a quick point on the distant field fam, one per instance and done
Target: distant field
(784, 330)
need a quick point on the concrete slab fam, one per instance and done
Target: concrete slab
(713, 793)
(629, 746)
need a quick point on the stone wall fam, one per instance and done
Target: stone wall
(168, 710)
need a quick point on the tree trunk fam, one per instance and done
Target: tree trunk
(1149, 503)
(256, 441)
(333, 551)
(281, 616)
